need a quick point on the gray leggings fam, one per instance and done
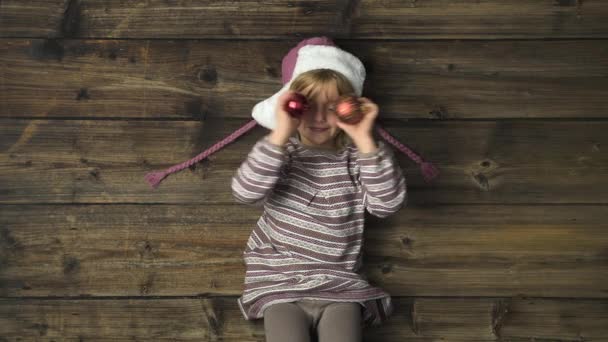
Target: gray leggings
(298, 321)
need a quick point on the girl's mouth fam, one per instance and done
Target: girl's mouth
(314, 129)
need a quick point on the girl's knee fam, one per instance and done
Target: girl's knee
(286, 322)
(341, 322)
(283, 310)
(342, 315)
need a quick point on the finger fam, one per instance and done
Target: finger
(286, 94)
(368, 109)
(366, 100)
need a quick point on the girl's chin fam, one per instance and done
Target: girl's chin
(319, 139)
(320, 142)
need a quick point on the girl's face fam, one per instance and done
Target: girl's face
(318, 126)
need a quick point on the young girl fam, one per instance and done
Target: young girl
(315, 177)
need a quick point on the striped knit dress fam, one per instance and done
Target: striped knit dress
(308, 242)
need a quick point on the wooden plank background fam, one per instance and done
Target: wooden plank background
(506, 98)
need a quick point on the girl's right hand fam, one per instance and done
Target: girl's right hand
(286, 125)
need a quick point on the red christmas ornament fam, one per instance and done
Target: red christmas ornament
(296, 105)
(349, 109)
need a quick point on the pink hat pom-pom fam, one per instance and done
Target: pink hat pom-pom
(154, 178)
(429, 171)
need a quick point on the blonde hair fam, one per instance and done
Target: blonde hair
(311, 82)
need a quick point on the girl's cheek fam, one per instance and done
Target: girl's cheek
(302, 124)
(332, 119)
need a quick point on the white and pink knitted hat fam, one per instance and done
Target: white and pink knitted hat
(309, 54)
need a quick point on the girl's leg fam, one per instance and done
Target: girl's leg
(286, 322)
(340, 322)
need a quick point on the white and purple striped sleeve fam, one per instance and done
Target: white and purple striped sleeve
(383, 182)
(259, 173)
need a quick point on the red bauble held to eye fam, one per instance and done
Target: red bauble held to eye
(296, 105)
(349, 109)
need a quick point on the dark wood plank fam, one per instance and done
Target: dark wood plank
(224, 79)
(212, 319)
(33, 18)
(510, 319)
(174, 250)
(99, 161)
(488, 19)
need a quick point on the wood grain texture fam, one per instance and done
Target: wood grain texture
(209, 79)
(177, 250)
(218, 318)
(507, 98)
(385, 19)
(99, 161)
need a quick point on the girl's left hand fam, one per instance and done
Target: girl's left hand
(362, 129)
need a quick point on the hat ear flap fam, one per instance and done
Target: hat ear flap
(264, 112)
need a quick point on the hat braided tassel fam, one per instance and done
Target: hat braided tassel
(154, 178)
(429, 171)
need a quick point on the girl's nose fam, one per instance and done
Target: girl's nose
(319, 114)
